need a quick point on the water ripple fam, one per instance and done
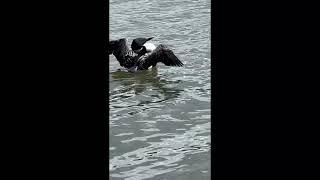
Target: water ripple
(171, 149)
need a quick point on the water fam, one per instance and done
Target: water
(160, 119)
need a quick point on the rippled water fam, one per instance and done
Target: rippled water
(160, 118)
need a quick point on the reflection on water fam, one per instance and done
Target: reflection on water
(138, 82)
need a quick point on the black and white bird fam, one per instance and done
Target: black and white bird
(142, 54)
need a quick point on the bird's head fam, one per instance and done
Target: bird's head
(137, 44)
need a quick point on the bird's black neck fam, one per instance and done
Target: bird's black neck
(142, 51)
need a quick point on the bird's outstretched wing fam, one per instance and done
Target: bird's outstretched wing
(160, 54)
(120, 49)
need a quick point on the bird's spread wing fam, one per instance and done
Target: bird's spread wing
(120, 50)
(119, 47)
(160, 54)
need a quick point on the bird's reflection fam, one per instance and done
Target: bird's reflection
(142, 80)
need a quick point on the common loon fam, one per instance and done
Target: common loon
(143, 54)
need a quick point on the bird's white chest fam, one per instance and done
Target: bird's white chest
(149, 47)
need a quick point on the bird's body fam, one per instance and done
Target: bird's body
(143, 55)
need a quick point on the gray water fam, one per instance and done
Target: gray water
(160, 119)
